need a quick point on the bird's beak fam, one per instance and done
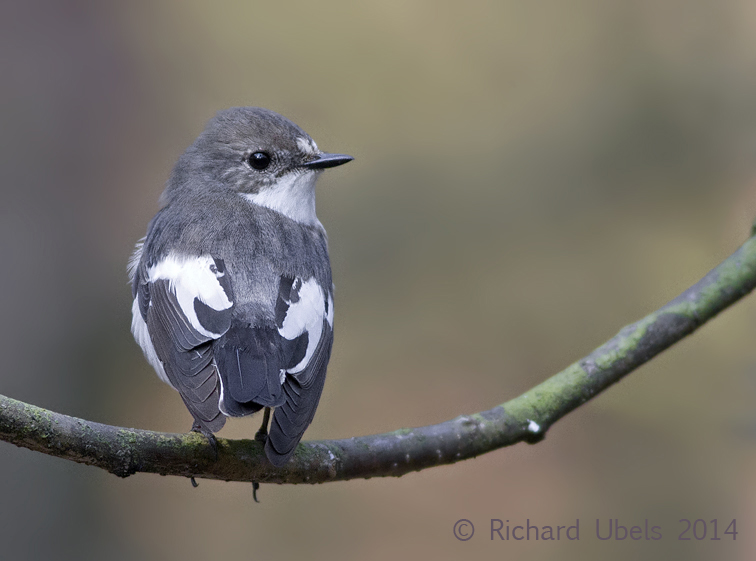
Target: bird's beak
(326, 160)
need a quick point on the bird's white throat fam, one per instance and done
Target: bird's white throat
(292, 195)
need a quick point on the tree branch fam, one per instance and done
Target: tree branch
(123, 451)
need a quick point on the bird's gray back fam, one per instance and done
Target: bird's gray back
(258, 246)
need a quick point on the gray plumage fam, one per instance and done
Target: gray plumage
(233, 297)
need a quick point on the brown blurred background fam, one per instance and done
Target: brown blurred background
(529, 177)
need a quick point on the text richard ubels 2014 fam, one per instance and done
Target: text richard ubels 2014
(604, 529)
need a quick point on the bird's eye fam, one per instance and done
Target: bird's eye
(259, 160)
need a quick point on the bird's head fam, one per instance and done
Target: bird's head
(258, 154)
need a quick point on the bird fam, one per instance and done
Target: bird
(232, 285)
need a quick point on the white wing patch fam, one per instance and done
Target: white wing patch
(143, 339)
(329, 317)
(190, 278)
(307, 314)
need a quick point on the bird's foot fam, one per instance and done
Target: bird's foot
(197, 427)
(261, 435)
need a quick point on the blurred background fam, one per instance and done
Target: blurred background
(529, 177)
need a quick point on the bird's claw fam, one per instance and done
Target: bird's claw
(197, 427)
(261, 435)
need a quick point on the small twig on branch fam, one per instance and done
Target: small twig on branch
(125, 451)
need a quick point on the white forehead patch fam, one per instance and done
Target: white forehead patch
(308, 146)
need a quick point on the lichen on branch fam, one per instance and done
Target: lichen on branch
(123, 451)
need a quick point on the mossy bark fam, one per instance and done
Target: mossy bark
(123, 451)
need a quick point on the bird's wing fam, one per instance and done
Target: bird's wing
(254, 359)
(304, 316)
(186, 304)
(223, 363)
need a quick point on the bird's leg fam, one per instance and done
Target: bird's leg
(262, 434)
(198, 427)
